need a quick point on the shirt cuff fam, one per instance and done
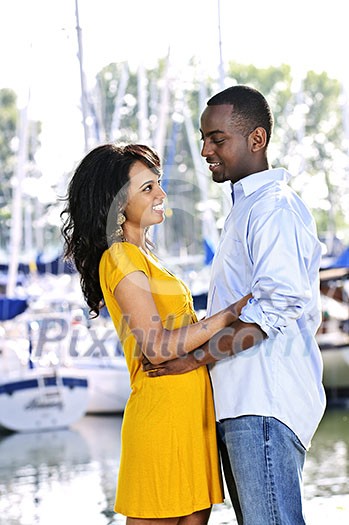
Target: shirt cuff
(268, 322)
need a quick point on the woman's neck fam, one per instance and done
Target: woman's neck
(135, 236)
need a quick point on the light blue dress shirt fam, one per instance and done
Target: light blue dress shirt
(269, 247)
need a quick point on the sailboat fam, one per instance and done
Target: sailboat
(36, 398)
(31, 397)
(333, 335)
(41, 400)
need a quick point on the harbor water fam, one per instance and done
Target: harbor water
(68, 477)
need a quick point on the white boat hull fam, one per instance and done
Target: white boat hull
(334, 346)
(108, 383)
(42, 400)
(336, 367)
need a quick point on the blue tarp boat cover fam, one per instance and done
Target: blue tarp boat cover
(10, 308)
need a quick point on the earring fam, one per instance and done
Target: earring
(119, 232)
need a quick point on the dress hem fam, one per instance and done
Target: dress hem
(171, 514)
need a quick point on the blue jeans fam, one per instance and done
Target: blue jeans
(262, 462)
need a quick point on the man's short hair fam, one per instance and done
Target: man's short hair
(250, 108)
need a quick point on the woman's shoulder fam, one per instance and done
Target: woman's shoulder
(122, 248)
(122, 255)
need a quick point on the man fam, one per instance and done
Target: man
(266, 370)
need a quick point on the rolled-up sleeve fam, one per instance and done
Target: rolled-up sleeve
(280, 247)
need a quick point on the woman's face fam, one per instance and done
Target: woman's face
(145, 204)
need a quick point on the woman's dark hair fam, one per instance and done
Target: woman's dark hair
(96, 193)
(250, 109)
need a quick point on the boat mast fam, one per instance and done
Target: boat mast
(82, 77)
(221, 63)
(142, 90)
(163, 110)
(226, 186)
(124, 76)
(16, 212)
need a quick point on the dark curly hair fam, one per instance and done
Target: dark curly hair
(96, 193)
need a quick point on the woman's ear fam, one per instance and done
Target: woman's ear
(258, 139)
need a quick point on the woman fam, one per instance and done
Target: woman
(169, 469)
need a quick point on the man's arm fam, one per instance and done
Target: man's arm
(230, 341)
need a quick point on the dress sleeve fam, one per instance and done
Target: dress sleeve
(120, 260)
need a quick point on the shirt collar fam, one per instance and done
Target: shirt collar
(255, 181)
(232, 192)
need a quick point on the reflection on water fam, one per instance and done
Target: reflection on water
(327, 469)
(68, 477)
(63, 477)
(326, 473)
(32, 465)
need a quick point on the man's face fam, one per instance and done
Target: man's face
(226, 150)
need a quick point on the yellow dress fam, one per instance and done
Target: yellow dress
(169, 462)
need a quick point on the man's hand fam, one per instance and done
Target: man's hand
(181, 365)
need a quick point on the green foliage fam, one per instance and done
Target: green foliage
(9, 116)
(8, 124)
(108, 84)
(308, 134)
(109, 81)
(308, 138)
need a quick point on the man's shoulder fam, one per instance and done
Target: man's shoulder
(272, 195)
(279, 200)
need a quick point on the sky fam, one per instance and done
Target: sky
(38, 49)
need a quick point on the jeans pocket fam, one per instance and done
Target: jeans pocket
(298, 444)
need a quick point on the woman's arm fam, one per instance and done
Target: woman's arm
(159, 344)
(238, 337)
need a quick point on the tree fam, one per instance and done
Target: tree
(8, 124)
(308, 138)
(308, 135)
(9, 136)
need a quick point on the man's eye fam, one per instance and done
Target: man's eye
(218, 141)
